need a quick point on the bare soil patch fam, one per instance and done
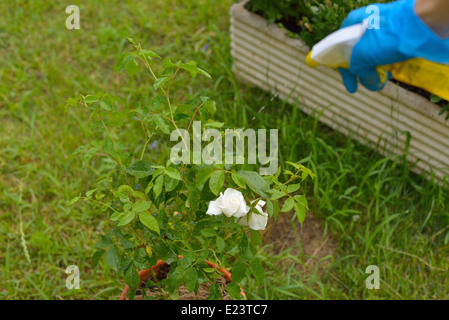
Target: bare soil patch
(310, 244)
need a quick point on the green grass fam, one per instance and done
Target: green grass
(403, 218)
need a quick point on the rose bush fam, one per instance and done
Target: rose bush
(163, 210)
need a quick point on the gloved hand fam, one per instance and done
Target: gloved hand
(401, 36)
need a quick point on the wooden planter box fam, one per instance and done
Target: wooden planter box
(265, 57)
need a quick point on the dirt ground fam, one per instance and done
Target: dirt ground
(309, 243)
(184, 294)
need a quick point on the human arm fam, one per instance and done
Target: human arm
(434, 13)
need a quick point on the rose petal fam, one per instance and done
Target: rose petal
(260, 202)
(243, 221)
(258, 221)
(213, 209)
(243, 210)
(233, 203)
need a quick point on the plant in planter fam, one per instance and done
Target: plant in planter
(197, 217)
(309, 20)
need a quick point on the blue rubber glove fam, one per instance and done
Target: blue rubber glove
(401, 36)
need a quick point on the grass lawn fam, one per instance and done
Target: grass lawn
(374, 208)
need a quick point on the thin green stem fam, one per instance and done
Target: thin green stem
(147, 65)
(145, 146)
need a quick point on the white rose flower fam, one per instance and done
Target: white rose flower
(258, 220)
(231, 203)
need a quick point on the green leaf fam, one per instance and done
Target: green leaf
(256, 237)
(159, 82)
(104, 242)
(70, 102)
(191, 279)
(193, 69)
(158, 103)
(302, 200)
(238, 180)
(124, 191)
(300, 212)
(168, 63)
(435, 98)
(73, 201)
(157, 189)
(255, 182)
(123, 60)
(141, 206)
(149, 221)
(306, 172)
(234, 291)
(172, 173)
(113, 258)
(174, 280)
(183, 108)
(105, 105)
(139, 195)
(116, 215)
(211, 107)
(214, 292)
(90, 192)
(220, 244)
(208, 232)
(276, 194)
(293, 187)
(278, 173)
(161, 123)
(81, 148)
(88, 155)
(203, 175)
(216, 181)
(132, 279)
(151, 54)
(127, 244)
(126, 218)
(238, 271)
(214, 124)
(209, 104)
(140, 169)
(270, 208)
(132, 67)
(170, 184)
(204, 73)
(184, 263)
(96, 258)
(245, 251)
(288, 205)
(193, 196)
(258, 271)
(91, 99)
